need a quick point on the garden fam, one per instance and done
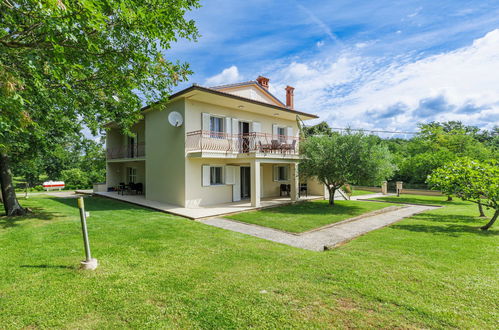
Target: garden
(433, 270)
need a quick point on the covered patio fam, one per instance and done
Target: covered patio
(204, 211)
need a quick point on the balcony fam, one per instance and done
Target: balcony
(127, 152)
(233, 144)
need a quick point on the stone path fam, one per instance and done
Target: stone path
(325, 238)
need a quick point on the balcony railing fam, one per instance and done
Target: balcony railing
(131, 151)
(199, 141)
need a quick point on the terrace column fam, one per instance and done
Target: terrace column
(255, 183)
(294, 181)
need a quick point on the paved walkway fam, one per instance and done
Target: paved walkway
(326, 238)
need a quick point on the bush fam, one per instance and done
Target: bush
(76, 179)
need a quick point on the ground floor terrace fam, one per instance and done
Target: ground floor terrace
(201, 212)
(203, 183)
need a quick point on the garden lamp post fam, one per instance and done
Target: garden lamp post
(89, 263)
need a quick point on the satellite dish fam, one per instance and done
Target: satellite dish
(175, 119)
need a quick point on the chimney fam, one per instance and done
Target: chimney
(264, 82)
(289, 97)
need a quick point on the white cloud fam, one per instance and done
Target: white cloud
(366, 92)
(320, 43)
(227, 76)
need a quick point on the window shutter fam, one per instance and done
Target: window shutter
(256, 127)
(205, 175)
(205, 121)
(230, 174)
(289, 133)
(235, 126)
(228, 125)
(275, 172)
(275, 133)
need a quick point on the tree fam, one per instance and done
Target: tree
(339, 159)
(69, 64)
(470, 180)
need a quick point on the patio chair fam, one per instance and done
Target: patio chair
(138, 188)
(121, 188)
(289, 146)
(284, 188)
(303, 187)
(264, 147)
(276, 145)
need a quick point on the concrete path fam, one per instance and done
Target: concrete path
(329, 237)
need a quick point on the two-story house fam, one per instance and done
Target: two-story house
(211, 146)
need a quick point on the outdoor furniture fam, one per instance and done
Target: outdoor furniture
(264, 147)
(276, 145)
(121, 188)
(285, 188)
(303, 187)
(289, 146)
(137, 187)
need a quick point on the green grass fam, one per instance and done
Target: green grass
(422, 199)
(434, 270)
(305, 216)
(362, 192)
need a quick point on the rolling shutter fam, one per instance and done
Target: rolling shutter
(205, 175)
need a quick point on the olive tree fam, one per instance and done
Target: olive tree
(338, 159)
(470, 180)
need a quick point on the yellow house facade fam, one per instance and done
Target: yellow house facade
(211, 146)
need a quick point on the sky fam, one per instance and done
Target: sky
(361, 64)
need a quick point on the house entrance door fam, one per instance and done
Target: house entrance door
(244, 135)
(245, 182)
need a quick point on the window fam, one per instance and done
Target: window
(216, 127)
(216, 175)
(281, 132)
(131, 174)
(281, 173)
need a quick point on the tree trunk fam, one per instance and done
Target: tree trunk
(491, 222)
(332, 191)
(480, 209)
(10, 203)
(449, 198)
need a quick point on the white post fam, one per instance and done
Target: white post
(294, 181)
(255, 183)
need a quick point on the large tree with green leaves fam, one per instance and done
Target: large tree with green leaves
(69, 64)
(470, 180)
(339, 159)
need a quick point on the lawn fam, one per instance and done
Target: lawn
(300, 217)
(434, 270)
(362, 192)
(422, 199)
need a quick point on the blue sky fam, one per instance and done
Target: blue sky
(368, 64)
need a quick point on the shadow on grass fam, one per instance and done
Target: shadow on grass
(37, 213)
(447, 224)
(315, 208)
(449, 229)
(48, 266)
(416, 200)
(96, 203)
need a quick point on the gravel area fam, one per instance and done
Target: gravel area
(320, 240)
